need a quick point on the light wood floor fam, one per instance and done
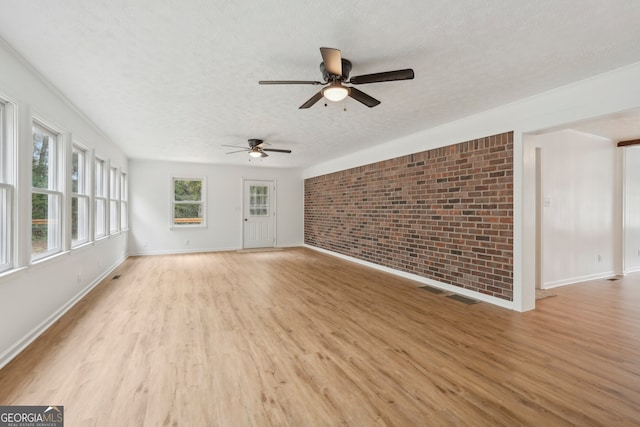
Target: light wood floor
(300, 338)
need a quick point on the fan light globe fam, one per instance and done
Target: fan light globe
(255, 153)
(335, 92)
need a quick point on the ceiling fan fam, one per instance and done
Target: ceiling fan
(335, 72)
(256, 148)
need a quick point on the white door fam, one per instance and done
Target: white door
(259, 214)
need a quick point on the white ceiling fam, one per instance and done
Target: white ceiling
(175, 79)
(623, 126)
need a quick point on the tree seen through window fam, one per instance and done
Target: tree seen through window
(188, 202)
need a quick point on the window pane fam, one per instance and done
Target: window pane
(113, 183)
(100, 218)
(3, 148)
(187, 190)
(99, 178)
(45, 220)
(74, 172)
(113, 216)
(124, 219)
(42, 163)
(187, 213)
(4, 229)
(259, 200)
(77, 171)
(123, 187)
(79, 220)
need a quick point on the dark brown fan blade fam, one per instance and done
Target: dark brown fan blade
(387, 76)
(360, 96)
(315, 98)
(264, 154)
(239, 151)
(332, 59)
(289, 82)
(233, 146)
(276, 150)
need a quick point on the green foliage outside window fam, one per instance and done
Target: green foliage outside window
(43, 144)
(188, 202)
(190, 190)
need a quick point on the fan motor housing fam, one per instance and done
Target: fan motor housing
(254, 142)
(346, 69)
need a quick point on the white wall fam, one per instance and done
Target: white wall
(32, 296)
(150, 192)
(632, 209)
(581, 206)
(598, 96)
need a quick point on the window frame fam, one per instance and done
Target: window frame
(100, 189)
(124, 202)
(202, 202)
(82, 193)
(54, 191)
(8, 162)
(114, 200)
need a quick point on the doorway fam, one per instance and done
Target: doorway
(258, 214)
(575, 207)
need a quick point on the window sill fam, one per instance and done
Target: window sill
(8, 275)
(37, 264)
(187, 227)
(81, 247)
(101, 239)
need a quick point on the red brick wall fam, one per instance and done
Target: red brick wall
(445, 214)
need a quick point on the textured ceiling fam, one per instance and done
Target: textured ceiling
(176, 79)
(623, 126)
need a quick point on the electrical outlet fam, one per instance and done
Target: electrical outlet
(187, 242)
(599, 258)
(79, 278)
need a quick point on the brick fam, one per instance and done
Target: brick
(453, 224)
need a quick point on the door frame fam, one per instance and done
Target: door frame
(273, 206)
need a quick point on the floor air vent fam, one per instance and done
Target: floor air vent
(432, 290)
(462, 299)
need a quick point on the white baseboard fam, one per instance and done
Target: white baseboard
(573, 280)
(423, 280)
(182, 251)
(200, 250)
(31, 336)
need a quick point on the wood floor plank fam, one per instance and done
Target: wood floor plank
(297, 337)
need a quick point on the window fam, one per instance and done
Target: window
(5, 226)
(7, 180)
(79, 197)
(114, 211)
(46, 198)
(100, 216)
(188, 203)
(124, 202)
(259, 200)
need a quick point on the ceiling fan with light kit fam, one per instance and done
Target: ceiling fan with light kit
(335, 72)
(256, 148)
